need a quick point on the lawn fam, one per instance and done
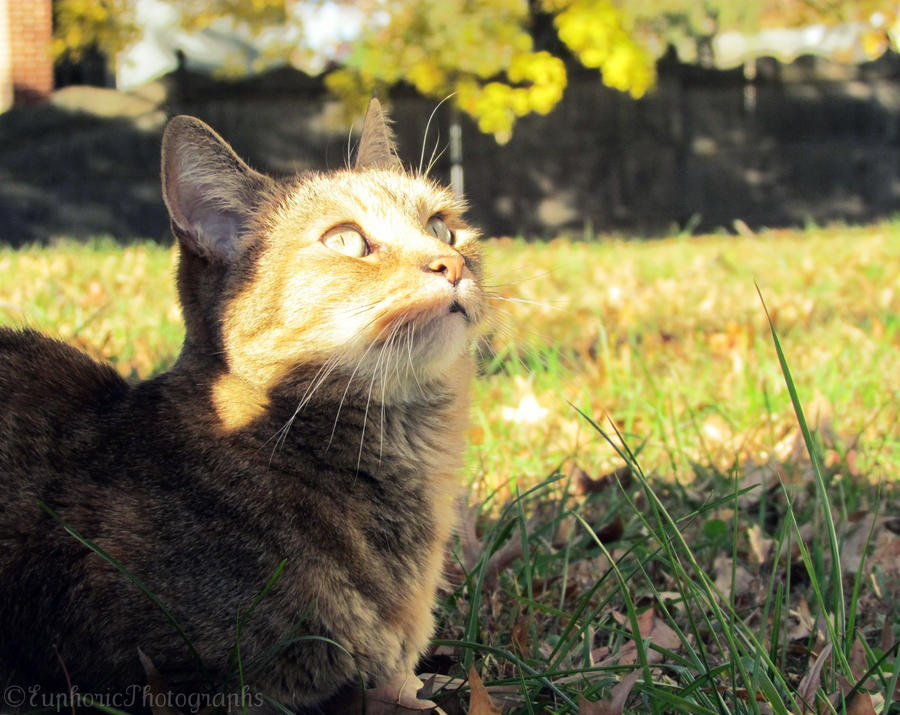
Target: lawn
(648, 531)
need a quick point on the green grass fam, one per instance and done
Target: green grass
(732, 550)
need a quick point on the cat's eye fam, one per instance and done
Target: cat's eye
(347, 241)
(437, 228)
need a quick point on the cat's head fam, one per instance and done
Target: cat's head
(369, 271)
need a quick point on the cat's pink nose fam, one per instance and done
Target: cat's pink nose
(451, 266)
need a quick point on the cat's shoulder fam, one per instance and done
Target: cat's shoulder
(42, 371)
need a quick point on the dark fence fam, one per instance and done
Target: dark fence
(809, 141)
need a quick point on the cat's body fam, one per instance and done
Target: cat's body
(315, 416)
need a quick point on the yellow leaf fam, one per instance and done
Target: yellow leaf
(480, 702)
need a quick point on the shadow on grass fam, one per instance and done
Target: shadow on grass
(78, 175)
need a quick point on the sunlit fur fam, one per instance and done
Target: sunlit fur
(310, 304)
(315, 416)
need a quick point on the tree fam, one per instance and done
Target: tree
(877, 19)
(484, 56)
(481, 54)
(690, 25)
(82, 25)
(493, 59)
(110, 26)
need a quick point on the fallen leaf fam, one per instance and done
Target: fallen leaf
(444, 684)
(887, 635)
(811, 681)
(731, 578)
(527, 412)
(501, 559)
(859, 665)
(651, 629)
(760, 545)
(398, 696)
(860, 704)
(585, 484)
(860, 526)
(615, 703)
(886, 555)
(480, 702)
(805, 621)
(160, 700)
(756, 480)
(612, 531)
(564, 532)
(471, 546)
(520, 636)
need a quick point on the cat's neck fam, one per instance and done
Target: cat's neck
(333, 413)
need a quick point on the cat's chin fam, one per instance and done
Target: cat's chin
(439, 342)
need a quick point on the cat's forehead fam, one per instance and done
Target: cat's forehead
(347, 195)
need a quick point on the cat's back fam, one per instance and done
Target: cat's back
(52, 397)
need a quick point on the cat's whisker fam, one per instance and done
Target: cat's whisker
(384, 380)
(434, 159)
(562, 266)
(356, 310)
(315, 383)
(349, 159)
(525, 301)
(376, 367)
(409, 357)
(427, 128)
(359, 362)
(500, 325)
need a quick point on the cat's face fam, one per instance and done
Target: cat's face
(370, 273)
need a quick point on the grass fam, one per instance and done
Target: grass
(649, 498)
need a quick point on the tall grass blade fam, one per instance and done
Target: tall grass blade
(839, 632)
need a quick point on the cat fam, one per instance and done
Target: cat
(292, 476)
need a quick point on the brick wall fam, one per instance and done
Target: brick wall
(30, 25)
(6, 86)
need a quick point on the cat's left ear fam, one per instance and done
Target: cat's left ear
(211, 194)
(376, 146)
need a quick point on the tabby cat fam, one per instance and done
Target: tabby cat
(314, 418)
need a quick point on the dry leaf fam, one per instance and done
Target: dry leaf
(860, 525)
(651, 629)
(159, 689)
(732, 579)
(860, 704)
(480, 702)
(471, 546)
(585, 484)
(805, 622)
(501, 559)
(612, 531)
(756, 479)
(810, 682)
(760, 545)
(520, 636)
(887, 635)
(435, 682)
(397, 697)
(886, 554)
(615, 703)
(564, 532)
(445, 684)
(859, 665)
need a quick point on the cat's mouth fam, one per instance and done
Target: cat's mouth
(457, 307)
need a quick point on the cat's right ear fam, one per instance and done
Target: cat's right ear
(376, 145)
(210, 192)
